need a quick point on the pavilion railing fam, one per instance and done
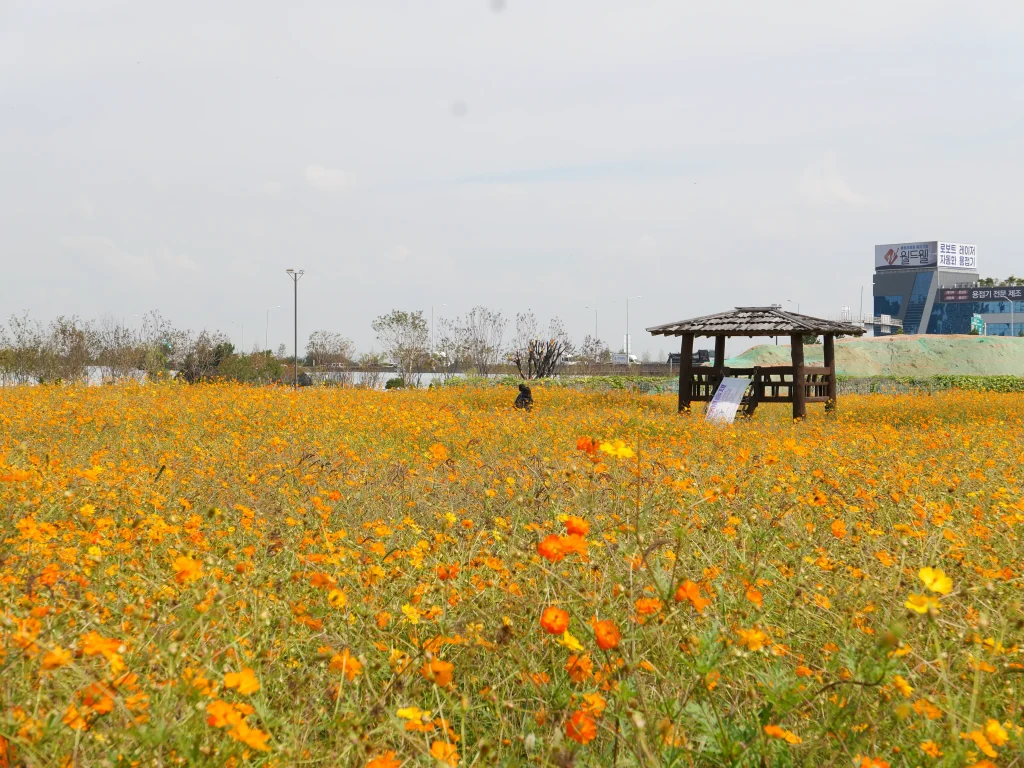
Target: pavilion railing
(768, 384)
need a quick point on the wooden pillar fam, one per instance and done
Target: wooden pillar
(799, 379)
(685, 370)
(719, 354)
(830, 363)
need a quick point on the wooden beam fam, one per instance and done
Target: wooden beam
(719, 353)
(830, 363)
(796, 342)
(685, 369)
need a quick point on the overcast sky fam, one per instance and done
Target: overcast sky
(541, 154)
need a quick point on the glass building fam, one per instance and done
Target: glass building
(933, 287)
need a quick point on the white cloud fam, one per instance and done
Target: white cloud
(823, 185)
(647, 243)
(104, 249)
(399, 253)
(178, 261)
(327, 178)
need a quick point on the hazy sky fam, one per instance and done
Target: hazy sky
(542, 154)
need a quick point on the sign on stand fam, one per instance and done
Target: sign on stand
(726, 401)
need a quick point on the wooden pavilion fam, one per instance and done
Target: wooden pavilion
(769, 384)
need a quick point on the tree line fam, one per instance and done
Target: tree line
(483, 342)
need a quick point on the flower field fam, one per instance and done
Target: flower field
(224, 575)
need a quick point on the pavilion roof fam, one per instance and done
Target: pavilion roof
(755, 321)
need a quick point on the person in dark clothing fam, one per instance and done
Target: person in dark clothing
(524, 399)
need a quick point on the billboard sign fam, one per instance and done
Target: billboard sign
(977, 325)
(933, 253)
(620, 358)
(1002, 293)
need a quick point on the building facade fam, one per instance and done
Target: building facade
(934, 287)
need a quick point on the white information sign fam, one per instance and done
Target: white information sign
(726, 401)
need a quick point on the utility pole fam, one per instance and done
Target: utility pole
(627, 344)
(296, 275)
(595, 321)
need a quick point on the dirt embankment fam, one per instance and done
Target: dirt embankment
(902, 355)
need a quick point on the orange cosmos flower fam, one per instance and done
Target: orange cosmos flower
(438, 672)
(447, 572)
(577, 525)
(186, 569)
(648, 606)
(554, 620)
(387, 760)
(573, 543)
(347, 664)
(581, 727)
(579, 668)
(688, 590)
(445, 753)
(606, 634)
(551, 549)
(56, 658)
(780, 733)
(245, 681)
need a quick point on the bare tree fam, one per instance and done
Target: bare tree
(483, 332)
(120, 352)
(69, 348)
(327, 348)
(405, 338)
(593, 353)
(23, 343)
(451, 352)
(372, 375)
(534, 357)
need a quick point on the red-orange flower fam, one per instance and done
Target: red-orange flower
(551, 549)
(579, 668)
(581, 727)
(648, 606)
(577, 525)
(447, 572)
(438, 672)
(606, 634)
(688, 590)
(586, 444)
(554, 620)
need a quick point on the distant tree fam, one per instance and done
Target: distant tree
(120, 349)
(282, 352)
(451, 352)
(327, 348)
(371, 376)
(810, 338)
(24, 343)
(535, 357)
(405, 338)
(593, 352)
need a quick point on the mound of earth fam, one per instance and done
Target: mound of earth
(904, 355)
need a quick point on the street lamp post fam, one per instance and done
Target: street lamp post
(296, 275)
(595, 321)
(432, 330)
(797, 305)
(627, 344)
(266, 331)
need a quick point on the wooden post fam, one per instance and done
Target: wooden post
(685, 368)
(719, 353)
(799, 379)
(830, 363)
